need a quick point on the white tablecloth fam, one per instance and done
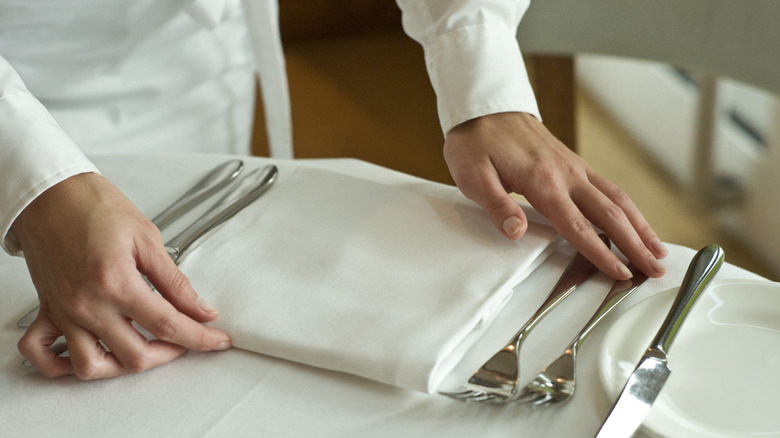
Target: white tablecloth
(238, 393)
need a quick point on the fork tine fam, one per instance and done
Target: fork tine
(496, 381)
(543, 402)
(557, 382)
(482, 397)
(466, 393)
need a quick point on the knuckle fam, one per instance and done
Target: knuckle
(138, 363)
(614, 212)
(79, 308)
(165, 330)
(580, 225)
(102, 285)
(48, 373)
(545, 175)
(180, 282)
(619, 196)
(496, 204)
(100, 272)
(147, 234)
(86, 370)
(25, 346)
(645, 230)
(204, 342)
(151, 232)
(573, 169)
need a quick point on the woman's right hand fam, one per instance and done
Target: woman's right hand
(87, 248)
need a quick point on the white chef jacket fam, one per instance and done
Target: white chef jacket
(82, 76)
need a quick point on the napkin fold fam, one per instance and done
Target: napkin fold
(348, 274)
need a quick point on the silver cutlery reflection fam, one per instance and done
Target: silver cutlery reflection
(497, 380)
(238, 196)
(242, 193)
(556, 383)
(209, 184)
(648, 378)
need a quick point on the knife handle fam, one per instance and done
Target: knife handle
(239, 195)
(703, 267)
(212, 182)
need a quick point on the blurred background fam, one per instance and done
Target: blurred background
(359, 89)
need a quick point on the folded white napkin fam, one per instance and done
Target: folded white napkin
(352, 275)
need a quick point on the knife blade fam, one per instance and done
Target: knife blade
(652, 371)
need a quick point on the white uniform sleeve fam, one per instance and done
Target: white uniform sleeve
(35, 153)
(472, 56)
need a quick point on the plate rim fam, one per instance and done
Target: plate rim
(606, 383)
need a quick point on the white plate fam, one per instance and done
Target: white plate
(725, 362)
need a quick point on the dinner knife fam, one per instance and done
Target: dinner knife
(651, 372)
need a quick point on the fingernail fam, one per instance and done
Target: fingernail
(512, 225)
(659, 247)
(656, 265)
(206, 306)
(224, 345)
(623, 270)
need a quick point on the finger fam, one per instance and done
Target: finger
(635, 217)
(166, 277)
(572, 224)
(35, 346)
(90, 360)
(164, 321)
(132, 350)
(484, 187)
(609, 217)
(614, 219)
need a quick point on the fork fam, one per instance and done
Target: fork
(496, 381)
(556, 383)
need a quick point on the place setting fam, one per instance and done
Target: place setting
(375, 298)
(354, 270)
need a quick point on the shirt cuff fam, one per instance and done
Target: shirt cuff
(478, 70)
(35, 154)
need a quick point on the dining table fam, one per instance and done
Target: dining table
(238, 392)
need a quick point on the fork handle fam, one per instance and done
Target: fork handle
(578, 270)
(619, 292)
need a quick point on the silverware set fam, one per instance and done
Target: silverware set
(497, 381)
(239, 193)
(556, 383)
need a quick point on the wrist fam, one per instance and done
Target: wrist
(49, 206)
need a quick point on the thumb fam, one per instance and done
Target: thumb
(174, 286)
(504, 212)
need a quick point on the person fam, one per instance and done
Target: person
(149, 76)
